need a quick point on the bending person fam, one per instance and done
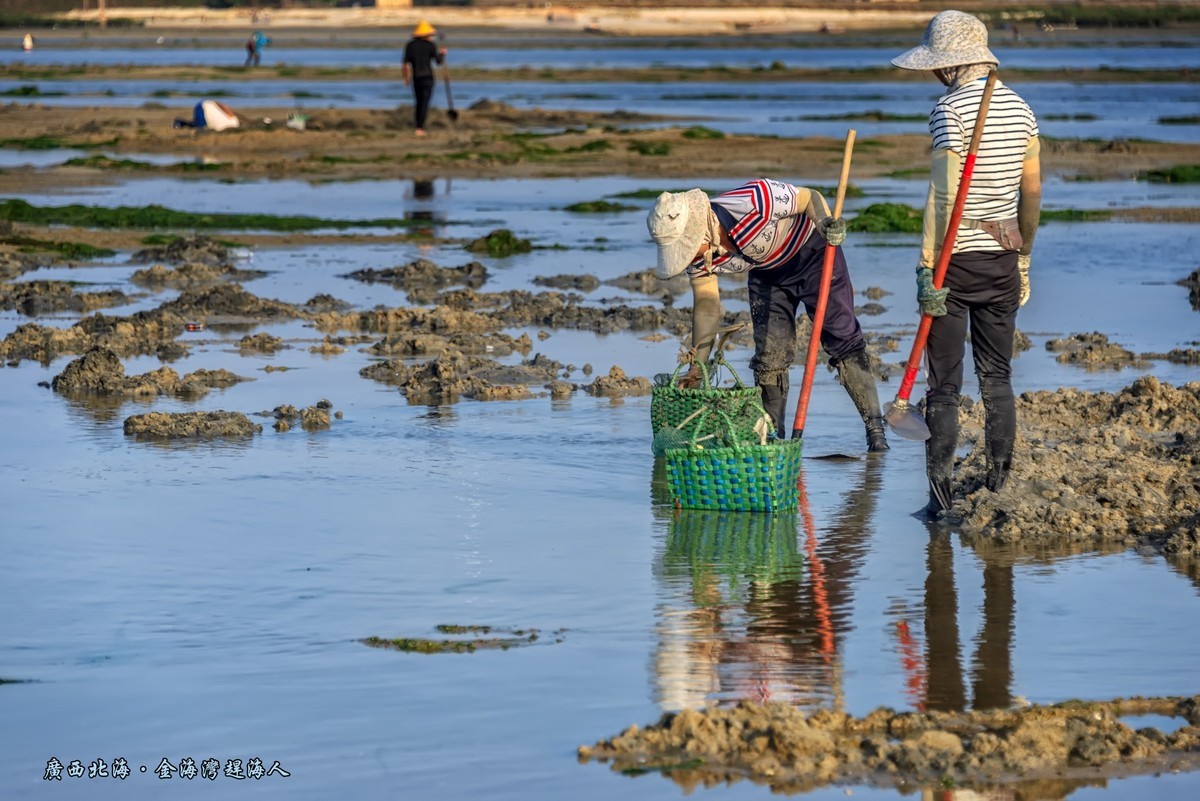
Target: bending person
(777, 233)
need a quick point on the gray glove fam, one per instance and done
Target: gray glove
(833, 229)
(931, 300)
(1023, 268)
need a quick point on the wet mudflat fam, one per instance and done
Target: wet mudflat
(207, 597)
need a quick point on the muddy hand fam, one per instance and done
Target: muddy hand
(931, 299)
(693, 380)
(834, 230)
(1023, 268)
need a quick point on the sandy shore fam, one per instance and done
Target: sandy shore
(598, 19)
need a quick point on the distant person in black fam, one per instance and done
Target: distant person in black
(419, 55)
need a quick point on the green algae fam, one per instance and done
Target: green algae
(100, 162)
(1075, 215)
(500, 243)
(650, 148)
(879, 218)
(155, 216)
(700, 132)
(514, 638)
(1179, 174)
(599, 207)
(74, 251)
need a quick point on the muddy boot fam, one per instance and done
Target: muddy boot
(855, 372)
(942, 420)
(1000, 429)
(774, 398)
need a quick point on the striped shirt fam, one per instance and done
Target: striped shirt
(996, 182)
(768, 227)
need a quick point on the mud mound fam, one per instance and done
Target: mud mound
(191, 275)
(325, 303)
(100, 372)
(1093, 467)
(780, 745)
(432, 344)
(617, 384)
(138, 334)
(1093, 352)
(260, 343)
(582, 283)
(191, 425)
(311, 418)
(438, 320)
(187, 250)
(15, 264)
(34, 298)
(646, 282)
(422, 278)
(228, 300)
(447, 378)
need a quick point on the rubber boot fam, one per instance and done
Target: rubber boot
(855, 373)
(1000, 429)
(774, 398)
(942, 419)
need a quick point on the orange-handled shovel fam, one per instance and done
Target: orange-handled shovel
(900, 415)
(814, 341)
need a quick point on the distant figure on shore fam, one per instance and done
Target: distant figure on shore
(254, 48)
(419, 55)
(27, 42)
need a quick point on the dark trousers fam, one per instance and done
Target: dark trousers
(775, 298)
(984, 293)
(422, 92)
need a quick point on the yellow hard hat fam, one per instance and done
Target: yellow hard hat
(424, 29)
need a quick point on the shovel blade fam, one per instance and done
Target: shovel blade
(906, 421)
(452, 114)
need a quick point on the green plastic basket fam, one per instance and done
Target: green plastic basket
(735, 476)
(670, 405)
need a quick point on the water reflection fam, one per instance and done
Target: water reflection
(753, 612)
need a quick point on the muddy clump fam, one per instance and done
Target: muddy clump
(1092, 467)
(422, 279)
(1093, 352)
(138, 334)
(793, 751)
(464, 640)
(406, 319)
(228, 300)
(191, 425)
(647, 282)
(616, 384)
(447, 378)
(1185, 356)
(190, 275)
(579, 283)
(34, 298)
(432, 344)
(310, 418)
(324, 302)
(13, 265)
(260, 343)
(100, 372)
(195, 250)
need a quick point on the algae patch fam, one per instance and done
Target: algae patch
(480, 639)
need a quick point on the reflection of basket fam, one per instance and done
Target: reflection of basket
(736, 477)
(735, 545)
(670, 405)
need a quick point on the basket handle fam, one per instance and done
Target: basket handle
(703, 371)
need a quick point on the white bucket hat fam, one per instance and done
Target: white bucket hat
(952, 39)
(678, 224)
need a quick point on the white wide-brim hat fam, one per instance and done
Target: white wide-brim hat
(678, 224)
(952, 39)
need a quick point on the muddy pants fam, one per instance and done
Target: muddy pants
(984, 293)
(775, 298)
(422, 92)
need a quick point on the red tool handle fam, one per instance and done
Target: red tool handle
(943, 262)
(814, 341)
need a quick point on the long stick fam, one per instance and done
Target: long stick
(943, 262)
(814, 341)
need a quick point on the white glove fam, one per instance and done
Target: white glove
(1023, 268)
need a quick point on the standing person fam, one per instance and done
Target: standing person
(988, 276)
(777, 232)
(419, 55)
(254, 47)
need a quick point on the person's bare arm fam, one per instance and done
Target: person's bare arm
(407, 73)
(706, 313)
(1029, 203)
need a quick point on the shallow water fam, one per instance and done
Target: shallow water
(1065, 110)
(205, 600)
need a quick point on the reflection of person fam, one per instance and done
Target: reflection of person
(777, 232)
(988, 277)
(419, 55)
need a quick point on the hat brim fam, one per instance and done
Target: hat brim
(674, 258)
(922, 58)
